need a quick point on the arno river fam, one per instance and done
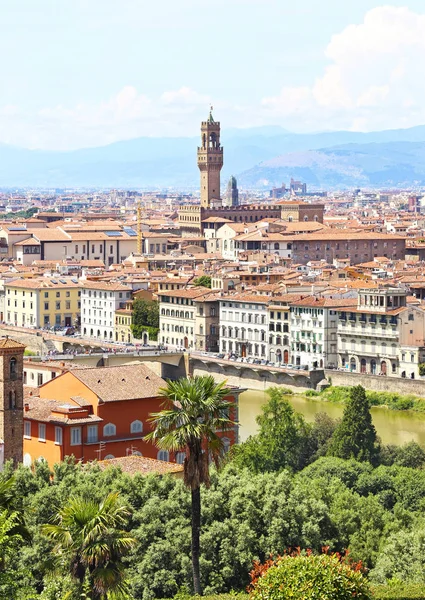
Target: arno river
(393, 427)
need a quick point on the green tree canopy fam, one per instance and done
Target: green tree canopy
(355, 437)
(203, 281)
(283, 440)
(145, 318)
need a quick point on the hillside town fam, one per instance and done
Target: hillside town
(114, 303)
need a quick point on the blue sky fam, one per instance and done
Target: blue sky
(88, 72)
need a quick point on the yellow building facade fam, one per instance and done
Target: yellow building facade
(42, 302)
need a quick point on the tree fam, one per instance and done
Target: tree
(355, 437)
(90, 536)
(203, 281)
(283, 441)
(410, 455)
(145, 318)
(194, 410)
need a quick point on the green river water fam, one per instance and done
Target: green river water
(393, 427)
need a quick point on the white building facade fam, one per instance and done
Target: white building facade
(99, 301)
(244, 326)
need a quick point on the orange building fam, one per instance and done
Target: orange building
(96, 413)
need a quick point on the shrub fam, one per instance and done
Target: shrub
(285, 391)
(399, 592)
(311, 393)
(305, 576)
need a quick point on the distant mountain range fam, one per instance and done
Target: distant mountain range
(374, 165)
(260, 157)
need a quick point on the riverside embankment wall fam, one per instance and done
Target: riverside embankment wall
(254, 377)
(378, 383)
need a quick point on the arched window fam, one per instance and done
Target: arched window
(13, 367)
(109, 456)
(109, 429)
(136, 427)
(27, 460)
(276, 246)
(163, 455)
(180, 456)
(12, 400)
(226, 445)
(137, 453)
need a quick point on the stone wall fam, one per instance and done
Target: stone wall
(256, 378)
(32, 341)
(378, 383)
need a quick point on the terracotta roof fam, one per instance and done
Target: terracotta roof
(194, 292)
(43, 283)
(6, 342)
(140, 464)
(50, 235)
(109, 286)
(41, 409)
(314, 302)
(28, 242)
(127, 382)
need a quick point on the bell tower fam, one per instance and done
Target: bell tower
(210, 161)
(11, 399)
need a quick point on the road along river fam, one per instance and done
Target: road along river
(393, 427)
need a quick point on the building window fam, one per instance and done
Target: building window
(75, 436)
(163, 455)
(13, 367)
(136, 427)
(27, 429)
(180, 456)
(92, 434)
(12, 400)
(41, 432)
(58, 436)
(109, 430)
(46, 306)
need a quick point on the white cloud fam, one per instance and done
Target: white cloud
(373, 80)
(125, 115)
(374, 77)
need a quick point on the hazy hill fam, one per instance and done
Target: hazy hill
(163, 162)
(390, 164)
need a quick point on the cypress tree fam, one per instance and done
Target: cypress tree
(355, 437)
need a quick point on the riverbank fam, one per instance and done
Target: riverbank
(389, 400)
(393, 426)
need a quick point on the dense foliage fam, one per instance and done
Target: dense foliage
(305, 499)
(145, 318)
(392, 400)
(202, 281)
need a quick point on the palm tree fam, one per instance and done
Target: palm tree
(90, 535)
(194, 411)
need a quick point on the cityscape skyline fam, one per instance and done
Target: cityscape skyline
(89, 75)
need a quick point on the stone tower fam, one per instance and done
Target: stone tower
(232, 195)
(11, 399)
(210, 161)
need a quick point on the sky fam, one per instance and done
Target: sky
(81, 73)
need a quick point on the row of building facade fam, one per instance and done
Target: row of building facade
(380, 332)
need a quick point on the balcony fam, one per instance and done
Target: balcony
(371, 333)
